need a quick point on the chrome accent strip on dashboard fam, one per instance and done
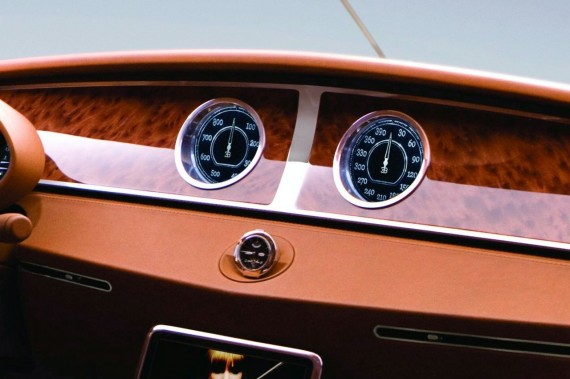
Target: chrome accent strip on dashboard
(306, 125)
(290, 186)
(300, 150)
(472, 341)
(66, 276)
(484, 236)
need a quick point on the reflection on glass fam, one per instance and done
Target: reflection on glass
(225, 365)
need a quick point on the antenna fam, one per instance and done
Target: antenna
(363, 28)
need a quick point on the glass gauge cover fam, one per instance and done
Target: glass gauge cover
(381, 159)
(4, 156)
(255, 253)
(219, 143)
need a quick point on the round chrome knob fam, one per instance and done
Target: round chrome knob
(255, 253)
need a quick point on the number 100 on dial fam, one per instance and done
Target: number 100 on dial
(381, 159)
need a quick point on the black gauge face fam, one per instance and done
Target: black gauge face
(220, 143)
(255, 253)
(4, 156)
(381, 159)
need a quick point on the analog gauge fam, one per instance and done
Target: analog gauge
(4, 156)
(255, 253)
(219, 144)
(381, 159)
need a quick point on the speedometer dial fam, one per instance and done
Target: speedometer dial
(4, 156)
(219, 144)
(381, 159)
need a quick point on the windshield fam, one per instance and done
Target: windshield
(524, 38)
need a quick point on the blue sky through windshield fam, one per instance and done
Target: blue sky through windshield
(525, 38)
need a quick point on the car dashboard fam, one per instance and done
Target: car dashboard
(460, 269)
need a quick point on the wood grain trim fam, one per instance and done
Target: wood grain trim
(148, 115)
(282, 62)
(467, 208)
(491, 172)
(468, 146)
(151, 116)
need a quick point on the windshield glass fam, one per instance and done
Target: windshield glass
(524, 38)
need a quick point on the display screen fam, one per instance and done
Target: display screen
(182, 353)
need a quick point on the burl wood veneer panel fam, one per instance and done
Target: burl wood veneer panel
(148, 116)
(467, 146)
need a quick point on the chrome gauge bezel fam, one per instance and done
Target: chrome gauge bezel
(192, 128)
(341, 169)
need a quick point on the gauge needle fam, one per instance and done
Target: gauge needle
(230, 140)
(387, 156)
(270, 370)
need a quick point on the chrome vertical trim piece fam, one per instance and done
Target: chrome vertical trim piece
(300, 151)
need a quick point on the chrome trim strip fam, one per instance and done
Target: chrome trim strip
(65, 276)
(306, 125)
(485, 236)
(290, 186)
(438, 338)
(300, 150)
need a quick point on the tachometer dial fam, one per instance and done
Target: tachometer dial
(381, 159)
(219, 144)
(4, 156)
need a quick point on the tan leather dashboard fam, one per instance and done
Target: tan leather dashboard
(480, 248)
(331, 266)
(163, 263)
